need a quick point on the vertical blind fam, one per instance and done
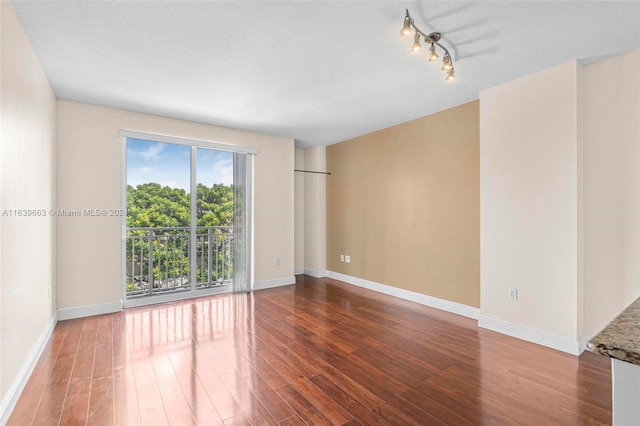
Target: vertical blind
(242, 169)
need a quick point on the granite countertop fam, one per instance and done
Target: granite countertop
(621, 338)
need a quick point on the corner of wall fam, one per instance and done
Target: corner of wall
(599, 126)
(611, 187)
(541, 161)
(315, 226)
(580, 322)
(28, 116)
(299, 212)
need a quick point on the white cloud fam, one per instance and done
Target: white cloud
(143, 170)
(151, 153)
(223, 171)
(220, 171)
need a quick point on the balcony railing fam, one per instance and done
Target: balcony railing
(158, 259)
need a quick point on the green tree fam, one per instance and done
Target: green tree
(214, 205)
(151, 205)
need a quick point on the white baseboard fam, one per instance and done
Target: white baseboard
(298, 271)
(564, 344)
(278, 282)
(423, 299)
(316, 273)
(88, 311)
(10, 399)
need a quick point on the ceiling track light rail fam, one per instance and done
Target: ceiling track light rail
(433, 39)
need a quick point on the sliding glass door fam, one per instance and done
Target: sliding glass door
(188, 223)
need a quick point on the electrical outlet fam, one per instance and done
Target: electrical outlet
(277, 261)
(513, 293)
(342, 258)
(347, 259)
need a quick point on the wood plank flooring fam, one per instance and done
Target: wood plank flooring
(321, 352)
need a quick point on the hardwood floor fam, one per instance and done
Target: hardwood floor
(320, 352)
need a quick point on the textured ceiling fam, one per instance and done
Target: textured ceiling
(317, 71)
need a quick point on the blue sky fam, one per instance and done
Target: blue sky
(168, 164)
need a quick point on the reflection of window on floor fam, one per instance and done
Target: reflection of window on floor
(176, 326)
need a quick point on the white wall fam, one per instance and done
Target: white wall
(611, 187)
(529, 201)
(560, 200)
(27, 181)
(315, 223)
(89, 176)
(299, 211)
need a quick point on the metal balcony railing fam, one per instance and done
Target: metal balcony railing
(158, 259)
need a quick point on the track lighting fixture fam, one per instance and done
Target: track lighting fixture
(431, 38)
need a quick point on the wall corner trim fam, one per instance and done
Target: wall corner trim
(423, 299)
(582, 343)
(563, 344)
(315, 273)
(277, 282)
(89, 310)
(8, 403)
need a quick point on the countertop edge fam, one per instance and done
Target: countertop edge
(620, 339)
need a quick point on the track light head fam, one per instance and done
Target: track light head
(416, 44)
(446, 62)
(406, 27)
(450, 75)
(433, 55)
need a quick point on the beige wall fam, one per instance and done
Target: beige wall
(404, 204)
(560, 197)
(299, 211)
(27, 181)
(529, 201)
(611, 187)
(315, 228)
(89, 176)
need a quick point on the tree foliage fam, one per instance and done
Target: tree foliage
(153, 205)
(215, 205)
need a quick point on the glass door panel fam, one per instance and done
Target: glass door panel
(158, 219)
(214, 218)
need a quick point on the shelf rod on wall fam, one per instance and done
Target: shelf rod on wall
(311, 171)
